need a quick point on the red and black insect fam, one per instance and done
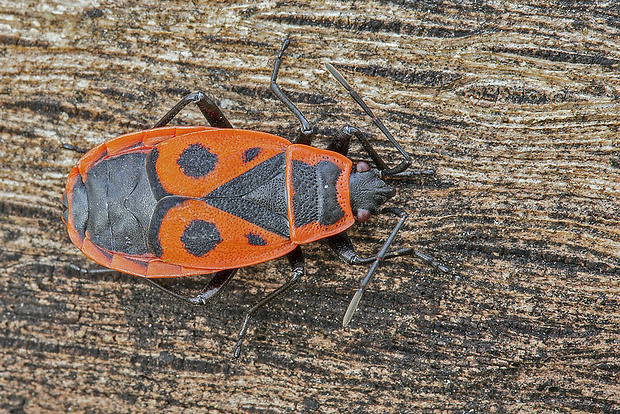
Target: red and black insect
(180, 201)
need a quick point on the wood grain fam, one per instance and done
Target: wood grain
(516, 105)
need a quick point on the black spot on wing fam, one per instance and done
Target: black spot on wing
(250, 154)
(255, 239)
(200, 237)
(197, 161)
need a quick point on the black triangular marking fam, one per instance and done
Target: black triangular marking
(252, 198)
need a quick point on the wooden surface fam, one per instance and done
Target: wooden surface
(516, 104)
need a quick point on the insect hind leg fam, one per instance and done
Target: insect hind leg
(215, 286)
(212, 113)
(74, 148)
(86, 271)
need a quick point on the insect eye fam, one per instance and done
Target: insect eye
(362, 166)
(363, 215)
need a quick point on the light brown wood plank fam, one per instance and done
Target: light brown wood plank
(516, 106)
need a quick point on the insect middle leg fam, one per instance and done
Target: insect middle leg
(306, 130)
(296, 259)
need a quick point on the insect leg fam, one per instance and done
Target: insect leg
(341, 244)
(212, 113)
(340, 142)
(296, 259)
(345, 135)
(74, 148)
(306, 129)
(86, 271)
(217, 282)
(381, 256)
(377, 121)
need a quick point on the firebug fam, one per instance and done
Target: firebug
(191, 200)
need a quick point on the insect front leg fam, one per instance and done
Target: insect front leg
(340, 144)
(343, 246)
(296, 259)
(385, 170)
(212, 113)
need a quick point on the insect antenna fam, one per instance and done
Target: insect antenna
(385, 171)
(379, 258)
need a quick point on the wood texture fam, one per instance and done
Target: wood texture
(516, 104)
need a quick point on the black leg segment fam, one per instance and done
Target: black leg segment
(296, 259)
(86, 271)
(212, 113)
(340, 144)
(341, 245)
(344, 248)
(306, 129)
(384, 170)
(217, 282)
(74, 148)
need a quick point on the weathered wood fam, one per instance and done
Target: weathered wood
(515, 104)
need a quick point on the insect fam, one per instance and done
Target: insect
(177, 201)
